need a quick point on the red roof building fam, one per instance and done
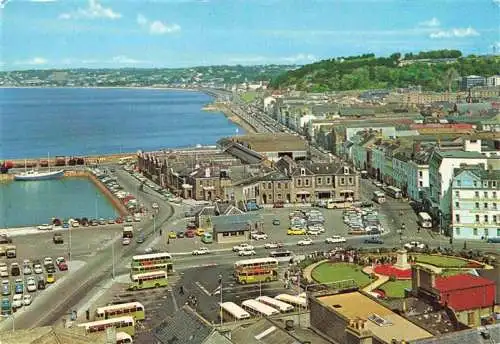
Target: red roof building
(465, 292)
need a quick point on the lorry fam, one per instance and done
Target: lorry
(128, 231)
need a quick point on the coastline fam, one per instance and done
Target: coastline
(109, 87)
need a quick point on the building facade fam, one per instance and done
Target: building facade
(476, 203)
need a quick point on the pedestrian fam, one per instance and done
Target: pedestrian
(181, 290)
(161, 231)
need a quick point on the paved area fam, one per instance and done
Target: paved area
(381, 279)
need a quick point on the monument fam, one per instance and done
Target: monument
(402, 260)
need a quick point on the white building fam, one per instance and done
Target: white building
(493, 80)
(475, 203)
(418, 176)
(441, 167)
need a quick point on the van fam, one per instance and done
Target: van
(493, 240)
(14, 269)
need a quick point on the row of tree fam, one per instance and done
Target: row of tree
(368, 72)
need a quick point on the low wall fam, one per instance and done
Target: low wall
(114, 200)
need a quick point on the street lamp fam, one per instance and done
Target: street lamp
(403, 227)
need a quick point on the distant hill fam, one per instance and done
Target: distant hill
(433, 70)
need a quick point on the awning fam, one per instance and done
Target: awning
(303, 193)
(208, 188)
(187, 186)
(344, 191)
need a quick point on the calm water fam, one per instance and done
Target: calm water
(84, 121)
(36, 202)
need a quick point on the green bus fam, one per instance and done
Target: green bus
(133, 309)
(207, 238)
(148, 280)
(122, 324)
(152, 262)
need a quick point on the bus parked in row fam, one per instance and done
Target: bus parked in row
(152, 262)
(230, 311)
(393, 192)
(283, 307)
(123, 338)
(424, 220)
(148, 280)
(133, 309)
(257, 308)
(121, 324)
(296, 301)
(8, 251)
(378, 197)
(339, 203)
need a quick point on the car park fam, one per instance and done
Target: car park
(335, 239)
(305, 242)
(242, 247)
(200, 251)
(31, 284)
(17, 301)
(27, 299)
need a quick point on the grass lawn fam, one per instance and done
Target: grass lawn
(247, 97)
(395, 289)
(441, 261)
(454, 272)
(328, 272)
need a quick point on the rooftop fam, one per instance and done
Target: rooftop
(481, 335)
(276, 142)
(457, 154)
(50, 335)
(460, 282)
(234, 223)
(356, 305)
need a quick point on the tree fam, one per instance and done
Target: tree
(449, 77)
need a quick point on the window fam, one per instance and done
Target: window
(486, 232)
(459, 182)
(485, 205)
(457, 231)
(474, 231)
(307, 182)
(470, 319)
(498, 232)
(457, 204)
(234, 234)
(421, 184)
(475, 183)
(279, 196)
(351, 181)
(477, 218)
(327, 180)
(279, 185)
(269, 186)
(457, 218)
(241, 233)
(485, 194)
(476, 194)
(299, 182)
(494, 205)
(457, 193)
(420, 174)
(319, 180)
(486, 218)
(477, 205)
(225, 234)
(494, 194)
(494, 220)
(342, 181)
(494, 183)
(286, 185)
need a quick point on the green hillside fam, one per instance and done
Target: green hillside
(433, 70)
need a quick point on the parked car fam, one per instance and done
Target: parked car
(276, 222)
(172, 235)
(14, 269)
(61, 264)
(27, 269)
(5, 287)
(27, 299)
(242, 247)
(17, 301)
(37, 268)
(335, 239)
(414, 245)
(58, 238)
(305, 242)
(201, 251)
(51, 278)
(47, 260)
(246, 252)
(45, 227)
(126, 241)
(50, 268)
(18, 286)
(41, 283)
(4, 270)
(259, 236)
(31, 284)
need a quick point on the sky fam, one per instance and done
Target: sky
(38, 34)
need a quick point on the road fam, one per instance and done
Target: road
(68, 291)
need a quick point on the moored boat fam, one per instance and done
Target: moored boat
(37, 175)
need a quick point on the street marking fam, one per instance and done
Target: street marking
(203, 289)
(175, 301)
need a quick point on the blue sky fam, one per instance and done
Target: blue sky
(181, 33)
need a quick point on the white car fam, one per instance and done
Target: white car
(271, 245)
(201, 251)
(47, 260)
(27, 299)
(335, 239)
(259, 236)
(414, 244)
(4, 270)
(155, 205)
(313, 231)
(31, 284)
(27, 270)
(242, 247)
(45, 227)
(37, 268)
(17, 301)
(246, 253)
(126, 241)
(305, 242)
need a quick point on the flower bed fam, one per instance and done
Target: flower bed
(391, 270)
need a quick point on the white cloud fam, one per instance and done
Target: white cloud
(157, 27)
(93, 11)
(433, 22)
(496, 2)
(457, 32)
(300, 58)
(35, 61)
(121, 59)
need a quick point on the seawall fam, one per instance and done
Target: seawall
(70, 161)
(122, 210)
(233, 117)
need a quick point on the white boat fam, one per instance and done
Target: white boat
(36, 175)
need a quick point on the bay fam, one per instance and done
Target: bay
(35, 122)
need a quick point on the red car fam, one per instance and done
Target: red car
(119, 220)
(61, 264)
(190, 233)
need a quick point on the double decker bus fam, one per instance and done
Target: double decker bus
(230, 311)
(121, 324)
(148, 280)
(152, 262)
(133, 309)
(256, 270)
